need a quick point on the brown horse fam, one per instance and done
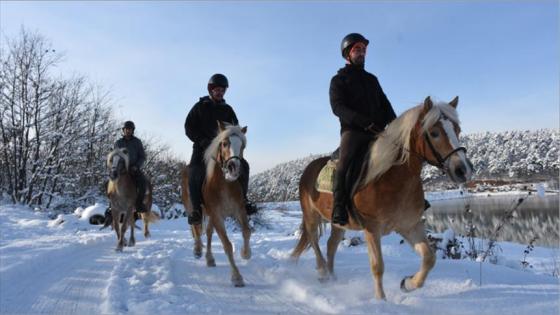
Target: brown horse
(121, 191)
(390, 196)
(222, 195)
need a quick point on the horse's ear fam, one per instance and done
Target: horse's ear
(428, 104)
(454, 102)
(244, 130)
(221, 126)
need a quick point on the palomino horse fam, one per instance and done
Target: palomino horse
(390, 197)
(121, 191)
(222, 195)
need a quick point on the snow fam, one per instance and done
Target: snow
(65, 266)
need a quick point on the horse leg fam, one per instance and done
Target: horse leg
(196, 230)
(146, 221)
(124, 226)
(332, 245)
(117, 227)
(373, 239)
(210, 262)
(416, 237)
(311, 226)
(132, 240)
(236, 277)
(246, 231)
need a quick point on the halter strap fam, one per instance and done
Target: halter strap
(441, 161)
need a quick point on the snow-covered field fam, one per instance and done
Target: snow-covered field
(70, 267)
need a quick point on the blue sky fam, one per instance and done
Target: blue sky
(500, 57)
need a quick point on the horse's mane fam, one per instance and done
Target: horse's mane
(120, 152)
(393, 145)
(210, 153)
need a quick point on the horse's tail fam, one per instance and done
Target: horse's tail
(311, 221)
(150, 217)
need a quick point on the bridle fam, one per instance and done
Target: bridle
(441, 160)
(224, 162)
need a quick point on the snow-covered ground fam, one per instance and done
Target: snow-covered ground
(66, 266)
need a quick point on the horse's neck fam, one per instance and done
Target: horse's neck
(124, 185)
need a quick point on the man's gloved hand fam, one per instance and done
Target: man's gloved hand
(373, 128)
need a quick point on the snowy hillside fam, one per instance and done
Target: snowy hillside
(512, 156)
(66, 266)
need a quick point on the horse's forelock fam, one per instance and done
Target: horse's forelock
(435, 113)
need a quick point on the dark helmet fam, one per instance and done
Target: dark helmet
(218, 79)
(129, 124)
(349, 40)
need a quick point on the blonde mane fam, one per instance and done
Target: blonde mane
(393, 145)
(212, 150)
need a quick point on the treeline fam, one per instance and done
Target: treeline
(55, 132)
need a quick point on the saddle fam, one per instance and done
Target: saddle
(354, 175)
(356, 171)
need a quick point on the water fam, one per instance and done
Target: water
(535, 217)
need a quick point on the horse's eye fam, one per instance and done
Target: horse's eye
(434, 134)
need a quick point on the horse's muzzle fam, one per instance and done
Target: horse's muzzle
(459, 171)
(232, 170)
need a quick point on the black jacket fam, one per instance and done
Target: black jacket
(358, 100)
(136, 154)
(201, 125)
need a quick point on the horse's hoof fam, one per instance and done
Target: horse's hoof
(197, 252)
(403, 285)
(147, 235)
(119, 250)
(246, 254)
(131, 244)
(211, 263)
(238, 282)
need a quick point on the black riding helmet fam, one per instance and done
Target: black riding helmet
(349, 40)
(217, 79)
(129, 124)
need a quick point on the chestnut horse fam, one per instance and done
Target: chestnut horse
(121, 191)
(222, 195)
(390, 196)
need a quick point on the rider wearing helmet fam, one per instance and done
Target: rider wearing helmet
(136, 158)
(357, 99)
(201, 129)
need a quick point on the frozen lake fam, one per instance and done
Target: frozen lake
(536, 216)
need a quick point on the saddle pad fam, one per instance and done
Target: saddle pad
(325, 180)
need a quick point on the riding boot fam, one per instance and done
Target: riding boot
(427, 205)
(196, 179)
(108, 218)
(244, 181)
(340, 213)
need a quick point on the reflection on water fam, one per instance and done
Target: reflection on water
(535, 217)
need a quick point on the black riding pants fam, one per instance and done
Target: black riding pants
(351, 142)
(140, 181)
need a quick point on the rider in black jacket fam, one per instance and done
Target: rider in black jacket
(363, 109)
(136, 159)
(201, 128)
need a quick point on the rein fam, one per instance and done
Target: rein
(223, 163)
